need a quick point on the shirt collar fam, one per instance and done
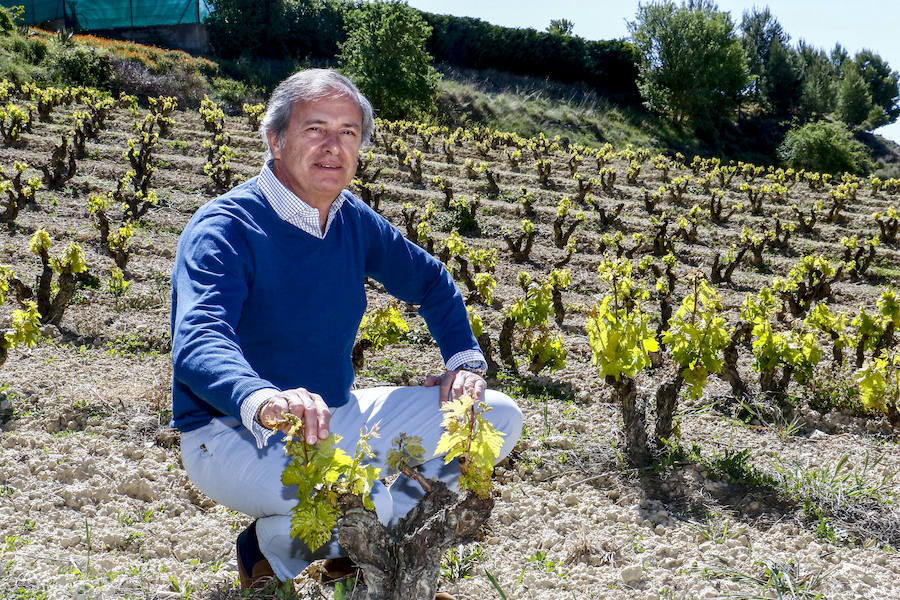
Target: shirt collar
(291, 208)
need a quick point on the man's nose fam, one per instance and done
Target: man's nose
(332, 142)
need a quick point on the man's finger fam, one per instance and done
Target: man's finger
(480, 387)
(459, 385)
(310, 420)
(446, 383)
(295, 404)
(323, 414)
(432, 380)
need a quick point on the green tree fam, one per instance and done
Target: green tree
(385, 56)
(760, 29)
(782, 84)
(820, 80)
(884, 83)
(692, 64)
(253, 27)
(315, 28)
(839, 56)
(854, 100)
(563, 27)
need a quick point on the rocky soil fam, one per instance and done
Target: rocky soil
(94, 502)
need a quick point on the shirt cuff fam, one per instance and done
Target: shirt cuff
(466, 356)
(250, 408)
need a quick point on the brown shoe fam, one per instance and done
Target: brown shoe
(258, 578)
(444, 596)
(262, 577)
(336, 569)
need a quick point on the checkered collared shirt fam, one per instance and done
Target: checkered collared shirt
(291, 208)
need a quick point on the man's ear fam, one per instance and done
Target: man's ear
(274, 145)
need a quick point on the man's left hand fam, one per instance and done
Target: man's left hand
(458, 383)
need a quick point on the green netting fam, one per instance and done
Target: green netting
(38, 11)
(87, 15)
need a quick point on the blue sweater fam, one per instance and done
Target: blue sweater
(258, 303)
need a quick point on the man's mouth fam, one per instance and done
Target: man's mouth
(328, 166)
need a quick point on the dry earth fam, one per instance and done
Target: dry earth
(94, 502)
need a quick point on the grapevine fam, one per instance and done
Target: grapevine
(540, 343)
(14, 121)
(472, 439)
(888, 223)
(621, 342)
(61, 167)
(879, 385)
(378, 329)
(19, 193)
(778, 356)
(520, 245)
(24, 326)
(322, 474)
(254, 113)
(695, 338)
(51, 298)
(562, 232)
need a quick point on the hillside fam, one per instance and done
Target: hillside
(758, 498)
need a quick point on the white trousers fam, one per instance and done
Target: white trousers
(222, 460)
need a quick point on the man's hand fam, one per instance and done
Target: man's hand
(458, 383)
(310, 407)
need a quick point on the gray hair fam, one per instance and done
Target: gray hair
(305, 86)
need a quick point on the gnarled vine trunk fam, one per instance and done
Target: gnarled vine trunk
(633, 420)
(666, 402)
(506, 342)
(729, 365)
(404, 562)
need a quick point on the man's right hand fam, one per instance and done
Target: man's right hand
(309, 407)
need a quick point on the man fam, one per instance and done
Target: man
(267, 296)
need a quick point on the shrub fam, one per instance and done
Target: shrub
(385, 56)
(234, 93)
(692, 63)
(78, 65)
(21, 58)
(159, 60)
(825, 147)
(7, 21)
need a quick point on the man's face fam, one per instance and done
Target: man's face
(320, 150)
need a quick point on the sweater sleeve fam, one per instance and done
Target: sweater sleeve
(209, 286)
(413, 275)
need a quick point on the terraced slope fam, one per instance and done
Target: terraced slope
(94, 501)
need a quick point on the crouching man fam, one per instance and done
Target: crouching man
(267, 296)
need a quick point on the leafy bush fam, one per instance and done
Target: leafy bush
(21, 57)
(235, 93)
(692, 63)
(7, 20)
(385, 56)
(115, 65)
(78, 65)
(158, 60)
(824, 147)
